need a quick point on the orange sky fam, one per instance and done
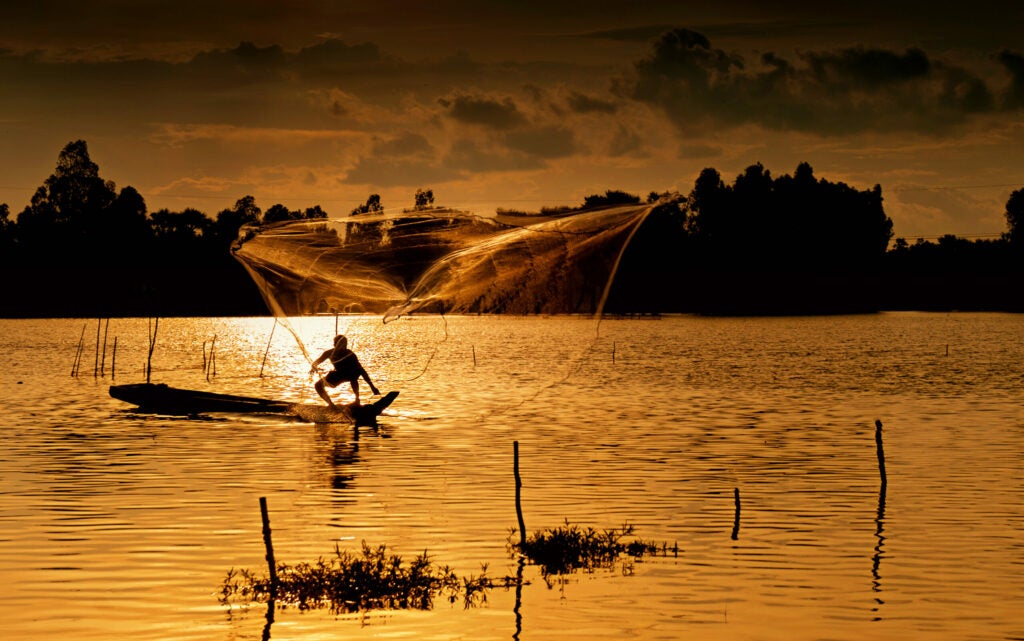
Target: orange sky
(517, 105)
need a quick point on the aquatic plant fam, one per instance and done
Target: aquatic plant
(351, 582)
(571, 547)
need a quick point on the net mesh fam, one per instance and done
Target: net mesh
(440, 261)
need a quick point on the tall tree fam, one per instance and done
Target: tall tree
(229, 221)
(66, 212)
(424, 198)
(1015, 217)
(372, 206)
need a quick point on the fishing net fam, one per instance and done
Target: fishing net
(440, 261)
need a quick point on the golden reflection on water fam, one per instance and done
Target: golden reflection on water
(114, 523)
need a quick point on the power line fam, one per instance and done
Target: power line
(954, 187)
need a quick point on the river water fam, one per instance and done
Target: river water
(115, 524)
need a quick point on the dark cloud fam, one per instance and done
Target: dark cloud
(867, 68)
(582, 103)
(543, 142)
(398, 172)
(489, 112)
(405, 144)
(332, 52)
(844, 91)
(625, 142)
(1013, 97)
(644, 33)
(471, 156)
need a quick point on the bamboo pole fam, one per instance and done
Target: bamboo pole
(78, 353)
(155, 325)
(736, 519)
(96, 363)
(103, 357)
(881, 452)
(269, 544)
(519, 485)
(268, 346)
(211, 364)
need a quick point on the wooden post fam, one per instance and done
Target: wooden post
(211, 363)
(78, 353)
(880, 451)
(613, 352)
(152, 345)
(519, 485)
(96, 363)
(103, 357)
(268, 346)
(271, 564)
(474, 355)
(736, 519)
(113, 360)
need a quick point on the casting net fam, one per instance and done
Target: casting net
(440, 261)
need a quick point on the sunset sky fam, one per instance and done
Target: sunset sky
(517, 104)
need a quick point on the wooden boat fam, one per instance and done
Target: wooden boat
(158, 398)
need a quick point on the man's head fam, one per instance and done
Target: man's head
(340, 342)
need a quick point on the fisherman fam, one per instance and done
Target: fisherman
(346, 368)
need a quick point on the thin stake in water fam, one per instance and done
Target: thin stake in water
(78, 354)
(96, 363)
(519, 485)
(881, 452)
(268, 346)
(103, 356)
(211, 364)
(269, 544)
(736, 519)
(154, 325)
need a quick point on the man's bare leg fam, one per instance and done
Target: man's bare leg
(323, 394)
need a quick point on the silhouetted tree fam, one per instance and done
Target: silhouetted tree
(424, 198)
(315, 212)
(1015, 217)
(791, 222)
(7, 235)
(229, 221)
(65, 213)
(610, 197)
(277, 213)
(182, 227)
(372, 206)
(706, 206)
(124, 230)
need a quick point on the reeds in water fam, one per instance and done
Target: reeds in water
(567, 548)
(371, 579)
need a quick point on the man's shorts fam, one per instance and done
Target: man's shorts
(334, 377)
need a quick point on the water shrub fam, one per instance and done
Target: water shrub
(571, 547)
(352, 582)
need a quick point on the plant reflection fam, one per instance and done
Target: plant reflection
(876, 560)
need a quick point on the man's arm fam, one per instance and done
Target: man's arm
(323, 357)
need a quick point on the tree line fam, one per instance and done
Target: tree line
(797, 244)
(762, 244)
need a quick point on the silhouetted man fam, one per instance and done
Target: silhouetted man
(346, 368)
